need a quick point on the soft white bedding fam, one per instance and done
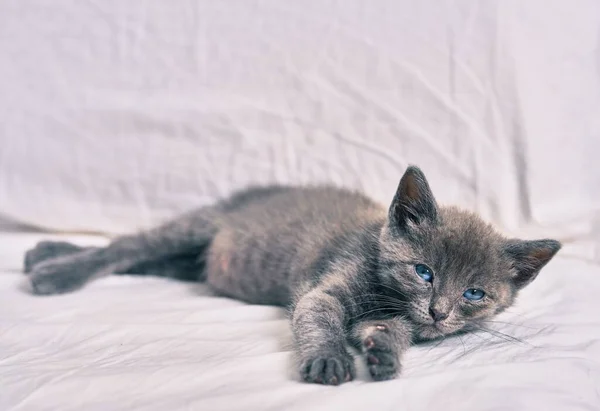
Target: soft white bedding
(115, 115)
(127, 343)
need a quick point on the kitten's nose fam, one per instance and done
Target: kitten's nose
(437, 315)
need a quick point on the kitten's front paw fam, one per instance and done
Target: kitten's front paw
(381, 354)
(328, 369)
(55, 277)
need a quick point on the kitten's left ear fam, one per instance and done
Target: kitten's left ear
(529, 257)
(414, 201)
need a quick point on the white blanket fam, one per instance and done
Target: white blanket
(126, 343)
(115, 115)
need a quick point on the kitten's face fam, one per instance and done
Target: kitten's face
(452, 274)
(452, 270)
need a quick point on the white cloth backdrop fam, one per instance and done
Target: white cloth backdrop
(116, 114)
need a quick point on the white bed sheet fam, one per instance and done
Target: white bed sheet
(126, 343)
(115, 115)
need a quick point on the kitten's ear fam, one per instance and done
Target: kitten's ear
(529, 257)
(414, 201)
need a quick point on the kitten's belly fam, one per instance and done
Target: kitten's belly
(241, 268)
(264, 250)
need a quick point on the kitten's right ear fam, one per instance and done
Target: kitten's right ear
(529, 257)
(414, 201)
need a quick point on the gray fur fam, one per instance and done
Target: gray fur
(343, 264)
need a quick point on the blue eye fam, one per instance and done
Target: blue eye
(424, 272)
(473, 294)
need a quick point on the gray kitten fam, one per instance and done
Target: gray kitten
(351, 271)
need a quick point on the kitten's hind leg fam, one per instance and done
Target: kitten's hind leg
(45, 250)
(187, 235)
(185, 267)
(182, 267)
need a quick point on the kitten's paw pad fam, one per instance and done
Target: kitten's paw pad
(45, 250)
(329, 369)
(381, 327)
(55, 278)
(381, 356)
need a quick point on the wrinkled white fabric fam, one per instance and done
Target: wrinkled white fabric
(125, 343)
(115, 115)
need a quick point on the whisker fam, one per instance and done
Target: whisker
(389, 287)
(382, 296)
(513, 338)
(509, 323)
(504, 336)
(463, 344)
(383, 301)
(494, 335)
(487, 340)
(364, 314)
(443, 338)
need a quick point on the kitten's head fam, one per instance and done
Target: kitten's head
(452, 270)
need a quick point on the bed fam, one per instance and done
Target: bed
(117, 115)
(126, 343)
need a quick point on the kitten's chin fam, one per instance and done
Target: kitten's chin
(434, 331)
(429, 332)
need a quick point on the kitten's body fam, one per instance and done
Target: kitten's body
(342, 263)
